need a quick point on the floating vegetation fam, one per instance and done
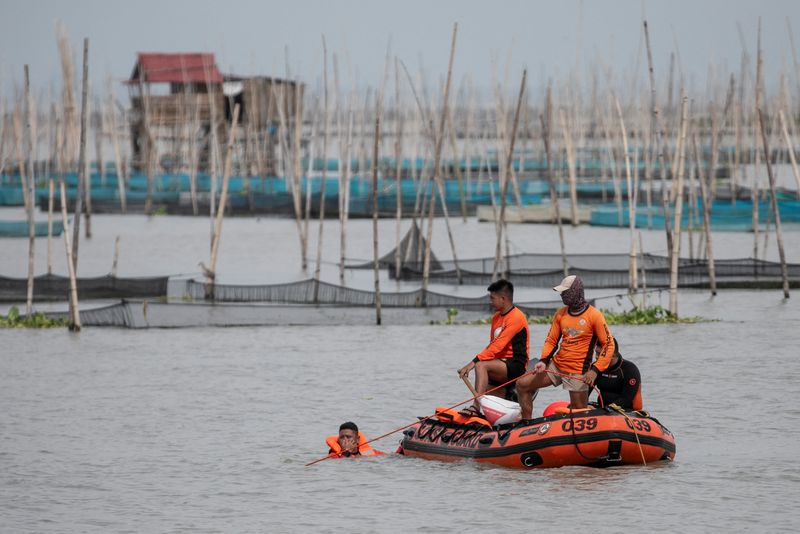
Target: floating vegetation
(636, 316)
(36, 320)
(647, 315)
(451, 314)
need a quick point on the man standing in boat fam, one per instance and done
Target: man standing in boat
(568, 350)
(506, 355)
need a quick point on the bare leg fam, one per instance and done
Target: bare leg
(485, 370)
(527, 386)
(578, 399)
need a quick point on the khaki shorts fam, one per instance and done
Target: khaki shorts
(570, 384)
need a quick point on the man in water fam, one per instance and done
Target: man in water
(620, 383)
(567, 352)
(506, 355)
(350, 442)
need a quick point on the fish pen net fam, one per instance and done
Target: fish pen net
(164, 314)
(412, 250)
(54, 287)
(604, 271)
(323, 293)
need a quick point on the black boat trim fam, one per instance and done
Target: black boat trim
(520, 448)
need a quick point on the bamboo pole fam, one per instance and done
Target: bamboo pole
(457, 166)
(754, 196)
(507, 172)
(655, 136)
(309, 182)
(87, 177)
(193, 152)
(468, 144)
(509, 159)
(70, 113)
(423, 125)
(704, 196)
(19, 148)
(213, 151)
(790, 149)
(211, 272)
(51, 187)
(375, 163)
(676, 242)
(633, 282)
(150, 142)
(795, 62)
(612, 155)
(116, 258)
(81, 157)
(344, 192)
(546, 121)
(774, 204)
(363, 151)
(325, 128)
(573, 190)
(717, 131)
(740, 115)
(2, 134)
(437, 184)
(121, 181)
(74, 311)
(426, 267)
(296, 172)
(398, 166)
(309, 172)
(31, 192)
(98, 123)
(648, 173)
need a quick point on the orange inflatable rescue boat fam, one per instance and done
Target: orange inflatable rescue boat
(598, 437)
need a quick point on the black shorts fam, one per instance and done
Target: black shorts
(514, 369)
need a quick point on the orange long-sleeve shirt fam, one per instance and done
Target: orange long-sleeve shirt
(572, 340)
(508, 338)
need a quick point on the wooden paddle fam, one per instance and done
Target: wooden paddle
(470, 386)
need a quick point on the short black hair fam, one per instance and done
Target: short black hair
(502, 286)
(349, 425)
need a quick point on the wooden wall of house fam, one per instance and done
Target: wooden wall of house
(262, 96)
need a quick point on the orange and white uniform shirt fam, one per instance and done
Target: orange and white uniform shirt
(508, 338)
(572, 339)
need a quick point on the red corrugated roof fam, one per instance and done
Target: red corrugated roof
(176, 68)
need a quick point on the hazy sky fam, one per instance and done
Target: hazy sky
(251, 36)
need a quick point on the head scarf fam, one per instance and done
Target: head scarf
(573, 297)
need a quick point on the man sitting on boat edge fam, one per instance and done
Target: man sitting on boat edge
(350, 442)
(506, 355)
(567, 352)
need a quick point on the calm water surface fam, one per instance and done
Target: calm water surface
(207, 430)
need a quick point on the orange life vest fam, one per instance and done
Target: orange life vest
(451, 415)
(364, 448)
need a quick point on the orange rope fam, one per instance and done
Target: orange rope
(309, 464)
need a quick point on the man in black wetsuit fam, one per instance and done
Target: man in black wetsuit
(621, 383)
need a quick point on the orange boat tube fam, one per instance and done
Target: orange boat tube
(598, 437)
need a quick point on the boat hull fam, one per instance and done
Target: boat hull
(598, 438)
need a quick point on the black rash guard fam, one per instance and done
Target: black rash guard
(621, 385)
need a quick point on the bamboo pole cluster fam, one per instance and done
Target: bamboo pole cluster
(662, 148)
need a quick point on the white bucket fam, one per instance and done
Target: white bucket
(500, 411)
